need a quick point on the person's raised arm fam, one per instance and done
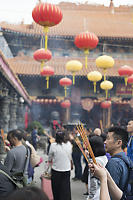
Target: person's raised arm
(108, 186)
(114, 190)
(101, 174)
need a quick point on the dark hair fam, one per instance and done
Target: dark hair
(24, 133)
(119, 134)
(97, 145)
(28, 193)
(60, 137)
(15, 133)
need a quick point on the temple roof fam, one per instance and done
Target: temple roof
(12, 78)
(101, 20)
(28, 66)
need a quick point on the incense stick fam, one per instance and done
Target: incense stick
(2, 134)
(86, 142)
(81, 148)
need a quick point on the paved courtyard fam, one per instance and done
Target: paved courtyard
(77, 187)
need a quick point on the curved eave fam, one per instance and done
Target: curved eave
(13, 79)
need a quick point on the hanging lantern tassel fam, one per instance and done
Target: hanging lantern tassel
(73, 78)
(94, 83)
(46, 29)
(126, 78)
(65, 90)
(106, 92)
(47, 79)
(86, 52)
(104, 72)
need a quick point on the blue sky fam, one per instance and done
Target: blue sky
(14, 11)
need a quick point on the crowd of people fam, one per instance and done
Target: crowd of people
(105, 179)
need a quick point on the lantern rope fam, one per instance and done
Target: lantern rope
(132, 89)
(46, 29)
(86, 52)
(47, 79)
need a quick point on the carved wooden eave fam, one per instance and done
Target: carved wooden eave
(12, 78)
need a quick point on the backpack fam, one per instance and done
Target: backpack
(21, 177)
(128, 191)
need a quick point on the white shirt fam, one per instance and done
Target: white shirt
(93, 183)
(60, 155)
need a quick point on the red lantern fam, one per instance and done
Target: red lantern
(42, 56)
(65, 104)
(65, 82)
(47, 15)
(125, 71)
(106, 104)
(130, 81)
(86, 41)
(47, 71)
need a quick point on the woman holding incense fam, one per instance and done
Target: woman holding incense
(60, 157)
(97, 145)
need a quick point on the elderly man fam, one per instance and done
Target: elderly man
(97, 131)
(130, 143)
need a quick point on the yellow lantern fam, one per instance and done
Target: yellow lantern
(106, 85)
(74, 66)
(105, 62)
(94, 76)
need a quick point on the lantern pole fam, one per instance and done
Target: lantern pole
(67, 114)
(104, 118)
(108, 123)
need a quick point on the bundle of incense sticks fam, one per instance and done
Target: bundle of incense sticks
(81, 148)
(86, 142)
(2, 135)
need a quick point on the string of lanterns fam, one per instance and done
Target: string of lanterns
(48, 15)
